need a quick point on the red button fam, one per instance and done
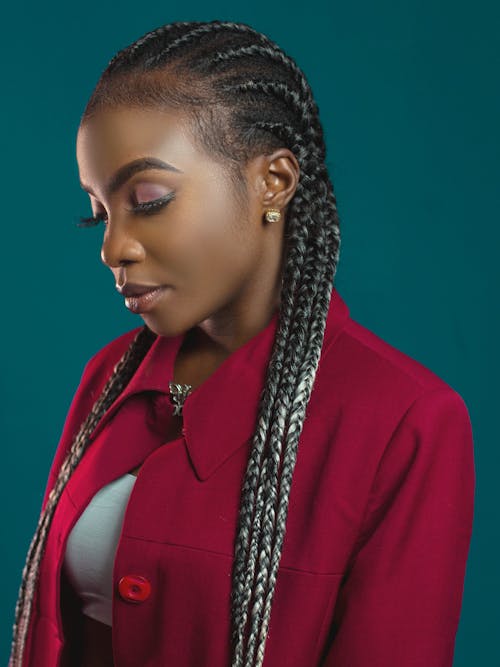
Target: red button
(134, 588)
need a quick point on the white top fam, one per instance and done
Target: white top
(91, 548)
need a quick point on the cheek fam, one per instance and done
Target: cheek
(210, 241)
(225, 248)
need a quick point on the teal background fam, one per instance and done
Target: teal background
(409, 99)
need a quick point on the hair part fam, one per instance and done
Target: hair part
(245, 97)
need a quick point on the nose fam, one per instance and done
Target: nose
(119, 247)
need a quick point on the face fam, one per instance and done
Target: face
(180, 224)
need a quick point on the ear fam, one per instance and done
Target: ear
(276, 177)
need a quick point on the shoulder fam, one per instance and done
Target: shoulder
(394, 409)
(369, 348)
(372, 375)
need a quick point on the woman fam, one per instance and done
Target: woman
(170, 531)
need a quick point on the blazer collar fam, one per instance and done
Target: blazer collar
(220, 414)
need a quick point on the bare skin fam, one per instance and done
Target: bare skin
(223, 262)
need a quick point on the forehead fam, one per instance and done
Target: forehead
(114, 137)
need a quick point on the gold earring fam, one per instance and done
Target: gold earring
(273, 215)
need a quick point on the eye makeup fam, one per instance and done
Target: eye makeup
(142, 208)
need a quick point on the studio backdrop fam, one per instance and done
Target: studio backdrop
(409, 100)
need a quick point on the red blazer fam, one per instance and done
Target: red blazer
(379, 521)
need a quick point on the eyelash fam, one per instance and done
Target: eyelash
(146, 208)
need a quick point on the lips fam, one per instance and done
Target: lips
(141, 303)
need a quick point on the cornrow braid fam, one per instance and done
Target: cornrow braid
(123, 58)
(122, 372)
(280, 90)
(262, 101)
(199, 31)
(267, 53)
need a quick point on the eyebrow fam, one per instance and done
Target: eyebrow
(125, 172)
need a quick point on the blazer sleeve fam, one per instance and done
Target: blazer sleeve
(400, 601)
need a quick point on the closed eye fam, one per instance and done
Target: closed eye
(143, 208)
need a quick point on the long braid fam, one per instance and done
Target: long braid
(122, 372)
(274, 522)
(299, 236)
(268, 103)
(302, 369)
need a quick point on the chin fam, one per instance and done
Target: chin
(168, 329)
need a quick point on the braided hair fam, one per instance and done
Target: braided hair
(245, 97)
